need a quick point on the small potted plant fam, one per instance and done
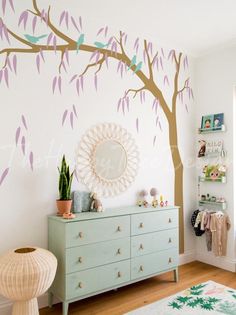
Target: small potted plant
(65, 179)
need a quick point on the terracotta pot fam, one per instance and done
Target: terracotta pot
(64, 206)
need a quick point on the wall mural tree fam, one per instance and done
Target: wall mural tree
(100, 53)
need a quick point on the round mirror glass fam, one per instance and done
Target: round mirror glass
(110, 159)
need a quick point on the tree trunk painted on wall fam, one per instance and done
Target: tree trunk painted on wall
(58, 41)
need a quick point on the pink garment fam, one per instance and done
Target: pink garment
(219, 226)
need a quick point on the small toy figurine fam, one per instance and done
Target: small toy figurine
(68, 215)
(161, 201)
(143, 194)
(96, 203)
(166, 203)
(153, 193)
(202, 148)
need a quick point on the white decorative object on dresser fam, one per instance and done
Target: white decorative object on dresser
(98, 252)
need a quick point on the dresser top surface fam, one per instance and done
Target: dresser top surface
(112, 212)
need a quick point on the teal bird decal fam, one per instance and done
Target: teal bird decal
(133, 61)
(80, 41)
(34, 39)
(100, 45)
(138, 67)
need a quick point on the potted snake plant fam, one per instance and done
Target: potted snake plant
(65, 179)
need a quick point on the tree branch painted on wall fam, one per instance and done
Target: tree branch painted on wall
(101, 51)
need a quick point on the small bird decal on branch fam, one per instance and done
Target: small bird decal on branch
(34, 39)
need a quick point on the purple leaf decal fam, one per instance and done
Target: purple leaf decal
(3, 176)
(82, 82)
(38, 63)
(5, 31)
(49, 39)
(125, 39)
(71, 120)
(106, 30)
(159, 123)
(23, 18)
(24, 121)
(186, 107)
(191, 91)
(78, 86)
(75, 112)
(97, 57)
(118, 67)
(74, 23)
(67, 56)
(55, 43)
(93, 55)
(4, 5)
(157, 120)
(17, 135)
(162, 52)
(67, 19)
(144, 96)
(73, 78)
(166, 80)
(23, 144)
(141, 97)
(12, 5)
(96, 82)
(31, 160)
(42, 15)
(136, 43)
(6, 76)
(127, 102)
(63, 65)
(54, 82)
(80, 22)
(9, 63)
(100, 30)
(137, 124)
(62, 17)
(123, 106)
(154, 140)
(59, 83)
(64, 116)
(34, 22)
(118, 104)
(41, 54)
(161, 63)
(121, 69)
(1, 72)
(106, 60)
(14, 61)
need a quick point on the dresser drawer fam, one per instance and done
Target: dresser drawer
(153, 242)
(93, 255)
(95, 279)
(91, 231)
(154, 221)
(153, 263)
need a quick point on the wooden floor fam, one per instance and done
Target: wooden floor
(136, 295)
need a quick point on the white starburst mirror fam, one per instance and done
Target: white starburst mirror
(107, 159)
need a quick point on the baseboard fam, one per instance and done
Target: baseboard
(225, 263)
(6, 305)
(187, 257)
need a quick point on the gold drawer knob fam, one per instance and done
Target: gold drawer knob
(119, 274)
(170, 240)
(80, 260)
(141, 225)
(170, 220)
(80, 285)
(119, 228)
(80, 234)
(170, 260)
(119, 251)
(141, 246)
(141, 268)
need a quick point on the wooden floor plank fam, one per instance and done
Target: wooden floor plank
(148, 291)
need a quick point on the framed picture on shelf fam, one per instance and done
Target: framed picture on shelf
(214, 147)
(207, 122)
(218, 121)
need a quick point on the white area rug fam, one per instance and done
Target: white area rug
(208, 298)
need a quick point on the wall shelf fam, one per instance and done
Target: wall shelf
(208, 179)
(212, 130)
(221, 154)
(223, 205)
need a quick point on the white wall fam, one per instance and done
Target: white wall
(28, 197)
(215, 84)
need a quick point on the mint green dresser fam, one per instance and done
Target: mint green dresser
(98, 252)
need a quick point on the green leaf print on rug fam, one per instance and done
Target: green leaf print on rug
(227, 307)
